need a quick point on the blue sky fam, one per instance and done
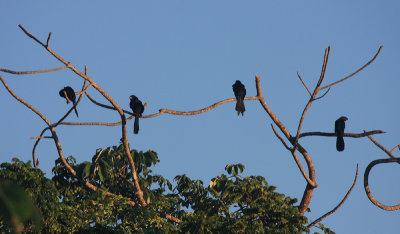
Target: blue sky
(185, 55)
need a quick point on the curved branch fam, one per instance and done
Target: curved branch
(366, 185)
(323, 95)
(32, 72)
(24, 102)
(174, 112)
(360, 69)
(353, 135)
(340, 204)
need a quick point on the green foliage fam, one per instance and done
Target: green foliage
(231, 203)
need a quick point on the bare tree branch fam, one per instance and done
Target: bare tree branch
(323, 95)
(352, 74)
(31, 72)
(138, 191)
(280, 138)
(40, 137)
(366, 185)
(48, 39)
(296, 159)
(353, 135)
(316, 90)
(306, 199)
(397, 146)
(298, 75)
(380, 146)
(340, 204)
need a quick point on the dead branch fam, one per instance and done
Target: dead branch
(397, 146)
(353, 135)
(323, 95)
(138, 191)
(339, 205)
(389, 153)
(312, 98)
(352, 74)
(311, 170)
(281, 139)
(31, 72)
(40, 137)
(304, 84)
(366, 185)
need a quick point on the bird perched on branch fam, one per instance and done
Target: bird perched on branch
(240, 92)
(137, 109)
(70, 96)
(339, 130)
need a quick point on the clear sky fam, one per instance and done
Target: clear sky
(185, 55)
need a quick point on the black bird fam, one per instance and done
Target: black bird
(71, 96)
(137, 108)
(240, 92)
(339, 130)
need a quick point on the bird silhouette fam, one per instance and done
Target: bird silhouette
(70, 96)
(240, 92)
(339, 130)
(137, 109)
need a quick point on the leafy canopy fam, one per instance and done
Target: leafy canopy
(231, 203)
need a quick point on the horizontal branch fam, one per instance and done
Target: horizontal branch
(366, 185)
(340, 204)
(353, 135)
(40, 137)
(31, 72)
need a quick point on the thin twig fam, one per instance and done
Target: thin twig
(48, 39)
(360, 69)
(340, 204)
(281, 139)
(366, 185)
(40, 137)
(323, 95)
(397, 146)
(380, 146)
(31, 72)
(298, 75)
(24, 102)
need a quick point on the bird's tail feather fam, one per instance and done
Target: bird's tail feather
(339, 143)
(76, 112)
(240, 106)
(136, 125)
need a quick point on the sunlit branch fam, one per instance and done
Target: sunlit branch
(366, 185)
(31, 72)
(340, 204)
(360, 69)
(138, 191)
(298, 75)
